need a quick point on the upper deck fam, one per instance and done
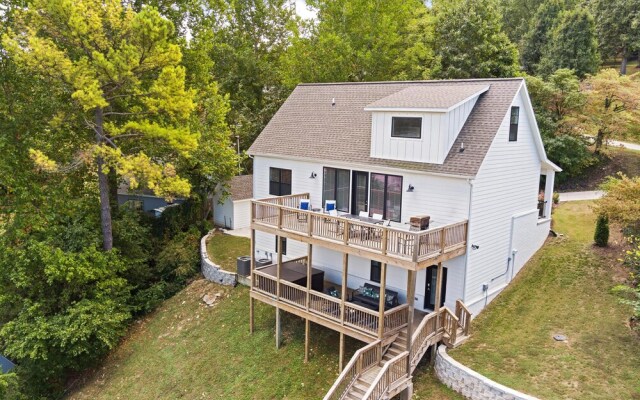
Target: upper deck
(396, 246)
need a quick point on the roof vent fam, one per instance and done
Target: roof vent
(333, 101)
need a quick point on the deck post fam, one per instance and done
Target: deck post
(306, 340)
(278, 328)
(252, 266)
(309, 266)
(343, 294)
(411, 290)
(383, 286)
(341, 359)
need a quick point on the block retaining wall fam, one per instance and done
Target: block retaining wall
(471, 384)
(212, 271)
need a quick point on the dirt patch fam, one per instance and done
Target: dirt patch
(613, 254)
(617, 160)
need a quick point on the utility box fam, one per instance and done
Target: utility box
(243, 265)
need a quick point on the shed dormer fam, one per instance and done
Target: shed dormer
(421, 123)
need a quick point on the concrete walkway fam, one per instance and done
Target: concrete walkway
(242, 232)
(626, 145)
(579, 196)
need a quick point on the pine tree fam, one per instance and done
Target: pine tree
(601, 235)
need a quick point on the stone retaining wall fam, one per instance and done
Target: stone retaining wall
(471, 384)
(214, 272)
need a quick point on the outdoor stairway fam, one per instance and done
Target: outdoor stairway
(379, 370)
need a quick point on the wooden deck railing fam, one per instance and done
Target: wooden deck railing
(427, 332)
(354, 316)
(393, 371)
(464, 316)
(449, 322)
(284, 213)
(362, 360)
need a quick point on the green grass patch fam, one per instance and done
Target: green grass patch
(564, 289)
(187, 350)
(225, 249)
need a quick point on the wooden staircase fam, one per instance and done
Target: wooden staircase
(379, 370)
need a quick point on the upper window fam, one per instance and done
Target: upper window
(279, 182)
(386, 196)
(513, 127)
(406, 127)
(336, 187)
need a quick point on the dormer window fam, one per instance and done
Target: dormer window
(406, 127)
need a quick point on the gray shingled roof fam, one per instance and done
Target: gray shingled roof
(308, 126)
(241, 187)
(429, 96)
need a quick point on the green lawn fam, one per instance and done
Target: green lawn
(190, 351)
(225, 249)
(564, 289)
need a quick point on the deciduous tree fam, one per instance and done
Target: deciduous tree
(618, 27)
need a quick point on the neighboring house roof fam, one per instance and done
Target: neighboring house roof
(5, 365)
(430, 97)
(241, 187)
(308, 126)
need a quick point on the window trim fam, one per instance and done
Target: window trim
(385, 196)
(513, 127)
(393, 123)
(279, 182)
(335, 187)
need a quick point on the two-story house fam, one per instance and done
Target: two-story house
(384, 202)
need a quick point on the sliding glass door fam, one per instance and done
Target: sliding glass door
(386, 196)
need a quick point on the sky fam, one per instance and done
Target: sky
(301, 10)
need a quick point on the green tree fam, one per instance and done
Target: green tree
(469, 41)
(538, 35)
(131, 108)
(361, 40)
(611, 107)
(618, 27)
(573, 44)
(516, 15)
(621, 201)
(601, 234)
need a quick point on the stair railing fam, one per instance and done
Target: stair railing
(393, 371)
(449, 322)
(464, 316)
(361, 361)
(425, 332)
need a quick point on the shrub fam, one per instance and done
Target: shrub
(179, 258)
(556, 197)
(601, 236)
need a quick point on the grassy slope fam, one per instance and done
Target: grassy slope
(564, 289)
(621, 160)
(187, 350)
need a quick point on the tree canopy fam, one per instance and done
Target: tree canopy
(469, 41)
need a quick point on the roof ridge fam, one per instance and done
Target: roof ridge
(409, 82)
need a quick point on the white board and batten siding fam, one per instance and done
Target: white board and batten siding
(241, 214)
(445, 199)
(504, 200)
(439, 131)
(223, 213)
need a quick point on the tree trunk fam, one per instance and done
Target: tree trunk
(103, 185)
(623, 65)
(599, 141)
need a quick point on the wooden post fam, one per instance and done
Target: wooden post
(251, 268)
(306, 340)
(383, 286)
(343, 291)
(411, 290)
(341, 359)
(309, 273)
(278, 328)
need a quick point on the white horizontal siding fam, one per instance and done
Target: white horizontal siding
(445, 199)
(241, 214)
(223, 213)
(506, 186)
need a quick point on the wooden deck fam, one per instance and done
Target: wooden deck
(356, 321)
(408, 249)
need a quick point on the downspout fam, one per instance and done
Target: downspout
(467, 253)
